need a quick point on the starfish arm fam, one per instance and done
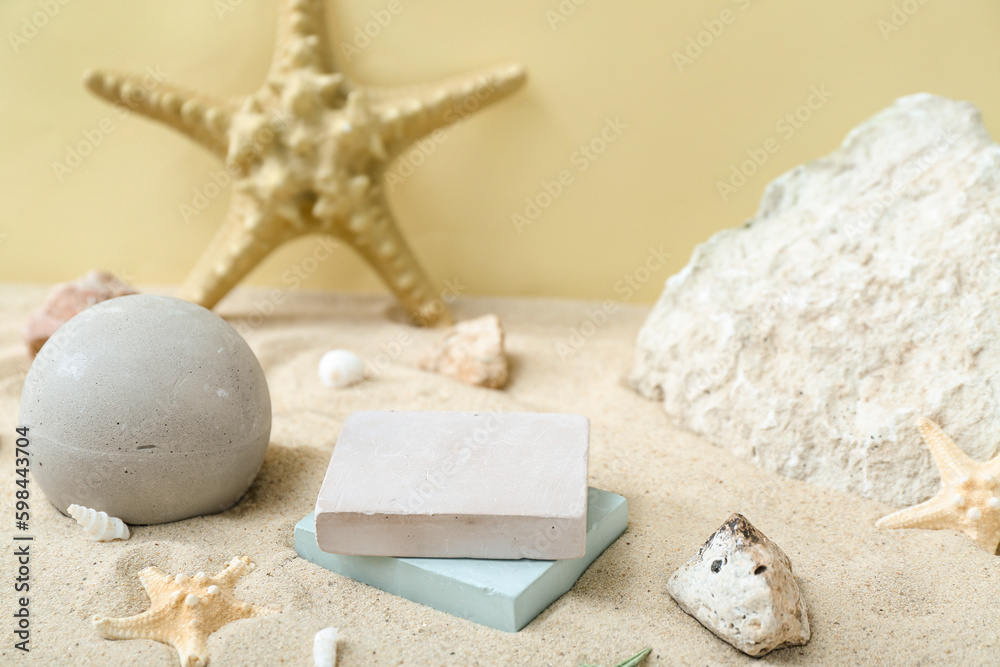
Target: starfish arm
(256, 610)
(952, 462)
(373, 233)
(936, 513)
(192, 654)
(303, 38)
(242, 610)
(203, 118)
(246, 237)
(188, 637)
(147, 625)
(157, 584)
(236, 568)
(408, 113)
(992, 468)
(987, 537)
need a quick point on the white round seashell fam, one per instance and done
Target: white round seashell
(341, 368)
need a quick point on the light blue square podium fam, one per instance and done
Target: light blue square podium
(501, 594)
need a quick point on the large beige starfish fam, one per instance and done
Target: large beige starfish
(967, 501)
(307, 153)
(184, 610)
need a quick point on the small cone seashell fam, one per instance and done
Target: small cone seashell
(98, 525)
(325, 648)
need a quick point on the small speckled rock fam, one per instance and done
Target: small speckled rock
(471, 352)
(150, 408)
(66, 300)
(740, 586)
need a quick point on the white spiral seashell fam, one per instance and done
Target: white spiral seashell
(325, 648)
(98, 525)
(341, 368)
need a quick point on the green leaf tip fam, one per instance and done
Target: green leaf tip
(634, 661)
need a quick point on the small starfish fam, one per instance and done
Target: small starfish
(307, 153)
(184, 610)
(967, 501)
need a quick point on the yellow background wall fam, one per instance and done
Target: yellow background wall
(684, 126)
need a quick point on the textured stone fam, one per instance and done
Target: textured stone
(861, 296)
(740, 586)
(146, 407)
(66, 300)
(457, 485)
(471, 352)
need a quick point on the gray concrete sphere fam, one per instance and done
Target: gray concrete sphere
(149, 408)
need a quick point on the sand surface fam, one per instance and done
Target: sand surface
(892, 597)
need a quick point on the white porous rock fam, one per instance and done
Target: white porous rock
(861, 296)
(325, 648)
(98, 525)
(341, 368)
(471, 352)
(740, 586)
